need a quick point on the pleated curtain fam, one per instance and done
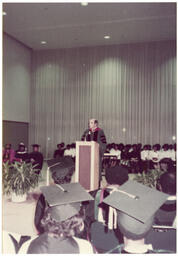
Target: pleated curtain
(129, 88)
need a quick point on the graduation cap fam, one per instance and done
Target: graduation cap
(64, 200)
(136, 205)
(35, 145)
(21, 144)
(60, 167)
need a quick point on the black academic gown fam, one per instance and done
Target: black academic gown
(46, 244)
(23, 155)
(38, 157)
(166, 213)
(98, 136)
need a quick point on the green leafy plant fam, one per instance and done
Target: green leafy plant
(149, 178)
(18, 178)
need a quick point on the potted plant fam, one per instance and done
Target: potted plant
(149, 178)
(18, 179)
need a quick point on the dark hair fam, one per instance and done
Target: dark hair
(58, 179)
(133, 228)
(116, 175)
(96, 121)
(63, 229)
(168, 182)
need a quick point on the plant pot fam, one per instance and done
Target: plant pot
(18, 198)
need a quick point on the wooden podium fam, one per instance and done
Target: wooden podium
(87, 164)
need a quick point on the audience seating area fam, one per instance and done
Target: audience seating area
(18, 217)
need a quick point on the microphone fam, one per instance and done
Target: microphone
(88, 133)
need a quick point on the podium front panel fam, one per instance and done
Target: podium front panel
(84, 166)
(87, 164)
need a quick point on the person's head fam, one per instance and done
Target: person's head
(170, 147)
(62, 144)
(165, 147)
(174, 146)
(93, 123)
(63, 225)
(127, 147)
(35, 147)
(59, 146)
(21, 147)
(134, 147)
(116, 175)
(121, 146)
(139, 146)
(63, 172)
(8, 146)
(145, 147)
(64, 215)
(149, 147)
(155, 147)
(136, 205)
(132, 228)
(167, 182)
(166, 164)
(116, 147)
(68, 146)
(109, 146)
(73, 145)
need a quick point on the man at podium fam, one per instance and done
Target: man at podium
(94, 133)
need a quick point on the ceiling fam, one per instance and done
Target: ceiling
(66, 25)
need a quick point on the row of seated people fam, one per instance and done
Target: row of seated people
(127, 152)
(147, 152)
(120, 219)
(61, 150)
(139, 159)
(21, 154)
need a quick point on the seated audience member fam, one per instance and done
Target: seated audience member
(103, 234)
(8, 154)
(166, 214)
(63, 146)
(136, 205)
(135, 159)
(115, 177)
(144, 154)
(62, 221)
(21, 153)
(172, 153)
(108, 148)
(73, 151)
(61, 174)
(67, 151)
(115, 151)
(139, 147)
(163, 233)
(36, 158)
(59, 152)
(126, 152)
(154, 156)
(164, 152)
(125, 156)
(166, 164)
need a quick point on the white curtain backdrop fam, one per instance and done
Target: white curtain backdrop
(130, 89)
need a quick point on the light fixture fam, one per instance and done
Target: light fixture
(124, 129)
(43, 42)
(84, 3)
(173, 137)
(4, 13)
(106, 37)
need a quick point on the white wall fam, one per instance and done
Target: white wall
(16, 80)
